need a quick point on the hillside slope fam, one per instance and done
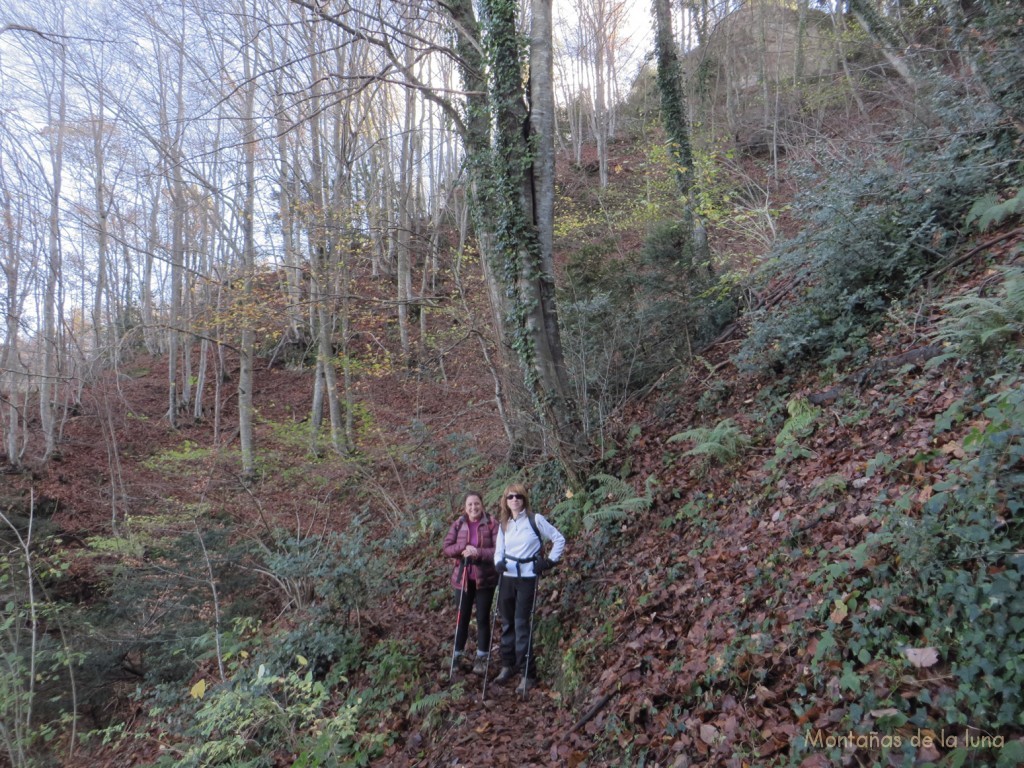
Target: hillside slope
(695, 633)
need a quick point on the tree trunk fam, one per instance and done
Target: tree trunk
(673, 98)
(246, 350)
(51, 332)
(13, 375)
(102, 236)
(513, 189)
(406, 191)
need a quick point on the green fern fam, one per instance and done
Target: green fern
(430, 702)
(608, 499)
(722, 443)
(978, 324)
(800, 424)
(988, 211)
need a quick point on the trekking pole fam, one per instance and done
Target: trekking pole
(458, 617)
(529, 639)
(494, 619)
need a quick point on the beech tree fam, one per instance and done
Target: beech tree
(506, 120)
(19, 264)
(513, 184)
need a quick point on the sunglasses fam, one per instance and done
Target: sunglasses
(516, 496)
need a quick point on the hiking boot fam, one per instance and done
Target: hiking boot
(480, 666)
(462, 664)
(525, 684)
(505, 675)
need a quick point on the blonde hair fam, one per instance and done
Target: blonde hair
(505, 514)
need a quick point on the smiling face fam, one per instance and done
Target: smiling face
(474, 507)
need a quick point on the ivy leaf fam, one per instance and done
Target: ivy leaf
(850, 680)
(1011, 754)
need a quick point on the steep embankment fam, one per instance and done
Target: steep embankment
(765, 609)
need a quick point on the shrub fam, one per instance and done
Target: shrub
(331, 569)
(876, 227)
(629, 320)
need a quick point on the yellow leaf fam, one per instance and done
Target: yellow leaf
(301, 659)
(199, 689)
(840, 611)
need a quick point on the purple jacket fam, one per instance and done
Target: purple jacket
(481, 568)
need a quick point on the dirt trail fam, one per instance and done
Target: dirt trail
(501, 729)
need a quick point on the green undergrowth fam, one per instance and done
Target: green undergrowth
(924, 619)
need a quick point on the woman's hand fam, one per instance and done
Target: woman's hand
(470, 551)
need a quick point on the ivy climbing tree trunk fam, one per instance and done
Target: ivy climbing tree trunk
(695, 251)
(673, 98)
(509, 153)
(514, 185)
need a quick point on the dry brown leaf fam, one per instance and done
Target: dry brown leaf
(922, 658)
(708, 734)
(953, 448)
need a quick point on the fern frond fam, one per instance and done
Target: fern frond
(723, 442)
(429, 702)
(976, 324)
(616, 511)
(609, 485)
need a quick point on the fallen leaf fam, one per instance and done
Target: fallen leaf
(840, 611)
(198, 690)
(922, 657)
(953, 448)
(708, 734)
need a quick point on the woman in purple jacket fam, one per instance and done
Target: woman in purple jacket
(470, 542)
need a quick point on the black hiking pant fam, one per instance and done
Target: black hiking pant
(515, 604)
(482, 597)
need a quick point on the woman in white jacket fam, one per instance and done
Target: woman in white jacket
(519, 558)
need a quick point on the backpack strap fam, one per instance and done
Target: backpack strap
(533, 524)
